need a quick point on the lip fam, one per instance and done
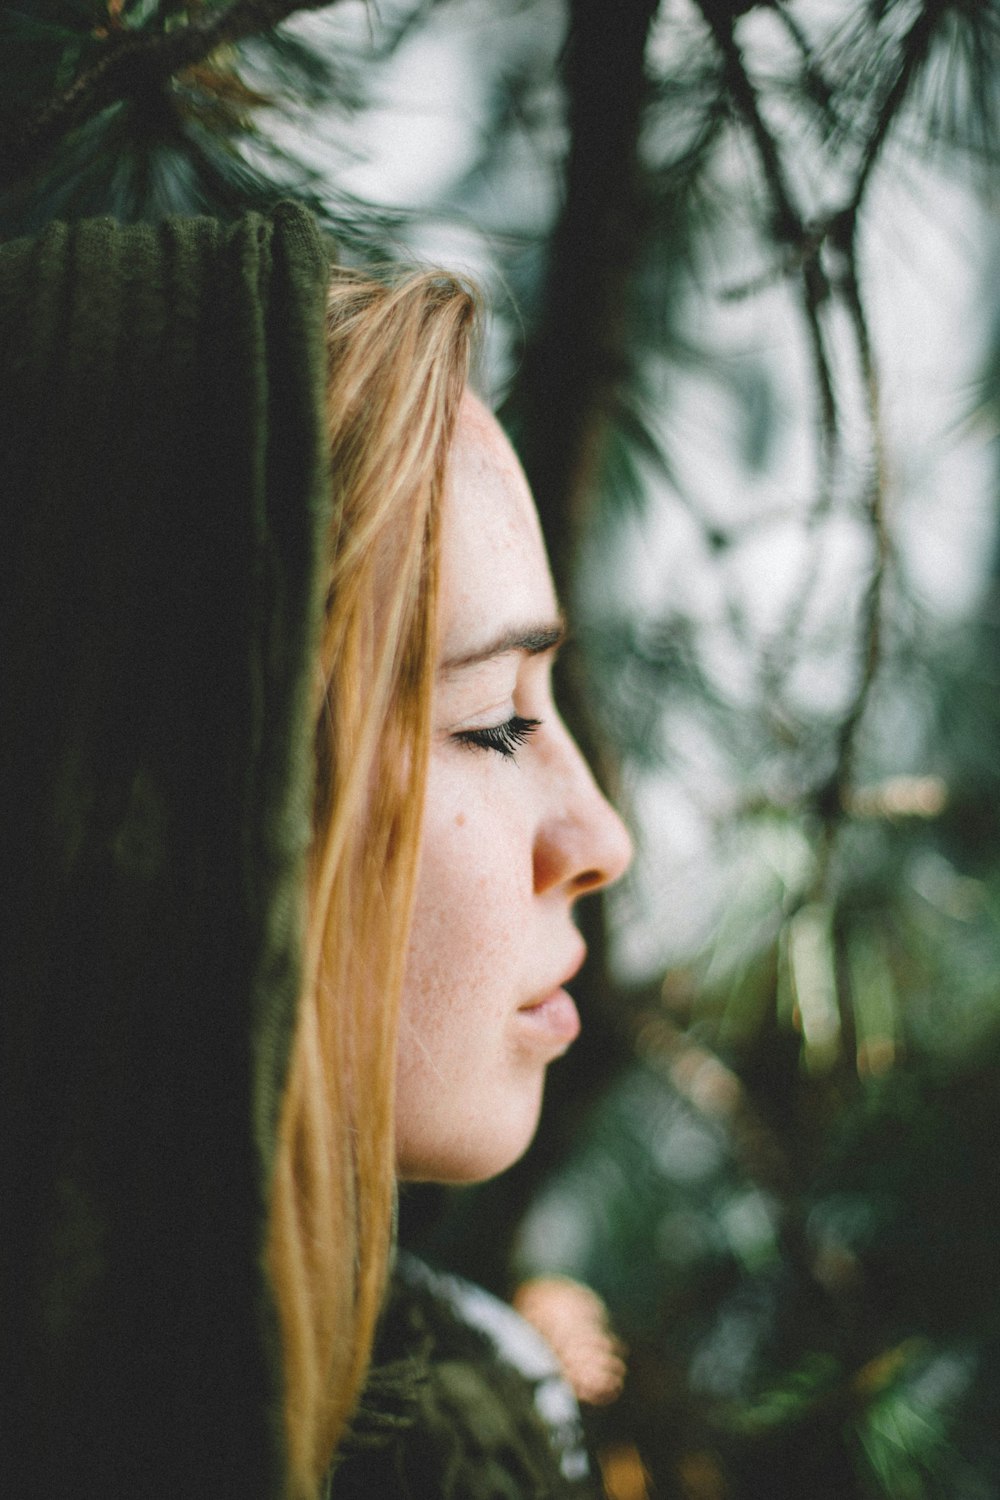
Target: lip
(552, 1022)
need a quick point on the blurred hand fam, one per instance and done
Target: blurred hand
(574, 1321)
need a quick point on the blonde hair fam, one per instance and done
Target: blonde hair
(398, 356)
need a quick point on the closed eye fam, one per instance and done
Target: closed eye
(506, 739)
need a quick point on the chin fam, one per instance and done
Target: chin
(487, 1146)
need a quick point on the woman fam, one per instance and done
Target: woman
(202, 1067)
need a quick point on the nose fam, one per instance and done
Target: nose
(581, 844)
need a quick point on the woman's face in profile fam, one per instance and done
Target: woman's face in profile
(514, 831)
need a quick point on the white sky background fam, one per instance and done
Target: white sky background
(926, 249)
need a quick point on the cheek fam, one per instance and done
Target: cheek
(462, 916)
(461, 960)
(466, 1104)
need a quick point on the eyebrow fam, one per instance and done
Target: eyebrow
(534, 640)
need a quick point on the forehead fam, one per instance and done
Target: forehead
(494, 571)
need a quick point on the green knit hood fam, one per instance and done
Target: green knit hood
(163, 503)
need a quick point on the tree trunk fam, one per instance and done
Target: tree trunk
(576, 356)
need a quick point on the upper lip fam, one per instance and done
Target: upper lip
(566, 975)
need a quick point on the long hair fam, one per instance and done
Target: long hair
(398, 357)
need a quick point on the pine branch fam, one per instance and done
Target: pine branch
(806, 243)
(135, 62)
(818, 88)
(913, 55)
(787, 221)
(833, 798)
(719, 18)
(873, 609)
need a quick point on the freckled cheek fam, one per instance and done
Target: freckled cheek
(475, 880)
(466, 940)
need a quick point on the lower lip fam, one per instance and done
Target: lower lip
(553, 1023)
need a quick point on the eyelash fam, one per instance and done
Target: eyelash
(506, 739)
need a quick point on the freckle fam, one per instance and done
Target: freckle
(460, 820)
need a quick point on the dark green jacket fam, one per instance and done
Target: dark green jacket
(465, 1401)
(163, 500)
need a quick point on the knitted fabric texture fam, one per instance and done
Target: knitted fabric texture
(164, 502)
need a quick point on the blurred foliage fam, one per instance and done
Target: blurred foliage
(145, 108)
(772, 1153)
(837, 1339)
